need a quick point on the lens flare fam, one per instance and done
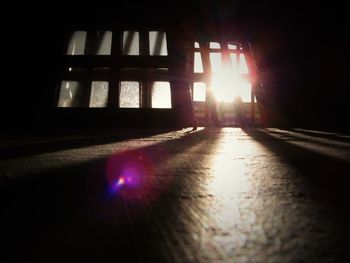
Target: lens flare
(121, 181)
(129, 174)
(132, 174)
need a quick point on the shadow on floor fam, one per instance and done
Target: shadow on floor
(72, 215)
(326, 174)
(331, 136)
(324, 181)
(292, 135)
(37, 143)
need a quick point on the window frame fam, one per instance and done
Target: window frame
(146, 65)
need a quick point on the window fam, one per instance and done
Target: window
(157, 43)
(74, 94)
(99, 43)
(232, 46)
(226, 81)
(131, 43)
(198, 64)
(103, 43)
(71, 94)
(199, 91)
(246, 91)
(139, 86)
(214, 45)
(129, 96)
(234, 62)
(161, 95)
(99, 94)
(243, 67)
(76, 44)
(215, 62)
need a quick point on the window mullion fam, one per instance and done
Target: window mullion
(144, 43)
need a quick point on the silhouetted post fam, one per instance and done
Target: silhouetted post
(210, 100)
(253, 72)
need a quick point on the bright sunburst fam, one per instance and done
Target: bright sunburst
(226, 85)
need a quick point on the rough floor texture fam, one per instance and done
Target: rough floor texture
(214, 195)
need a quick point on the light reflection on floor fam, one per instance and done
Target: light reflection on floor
(257, 205)
(227, 181)
(217, 195)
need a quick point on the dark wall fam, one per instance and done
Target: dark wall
(301, 50)
(33, 43)
(306, 63)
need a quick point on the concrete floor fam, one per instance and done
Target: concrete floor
(213, 195)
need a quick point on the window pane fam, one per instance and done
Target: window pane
(234, 62)
(129, 94)
(196, 44)
(243, 67)
(245, 91)
(99, 94)
(131, 43)
(199, 89)
(216, 62)
(231, 46)
(76, 45)
(103, 43)
(198, 64)
(161, 95)
(71, 94)
(214, 45)
(157, 43)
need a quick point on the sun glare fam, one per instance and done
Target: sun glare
(226, 81)
(227, 85)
